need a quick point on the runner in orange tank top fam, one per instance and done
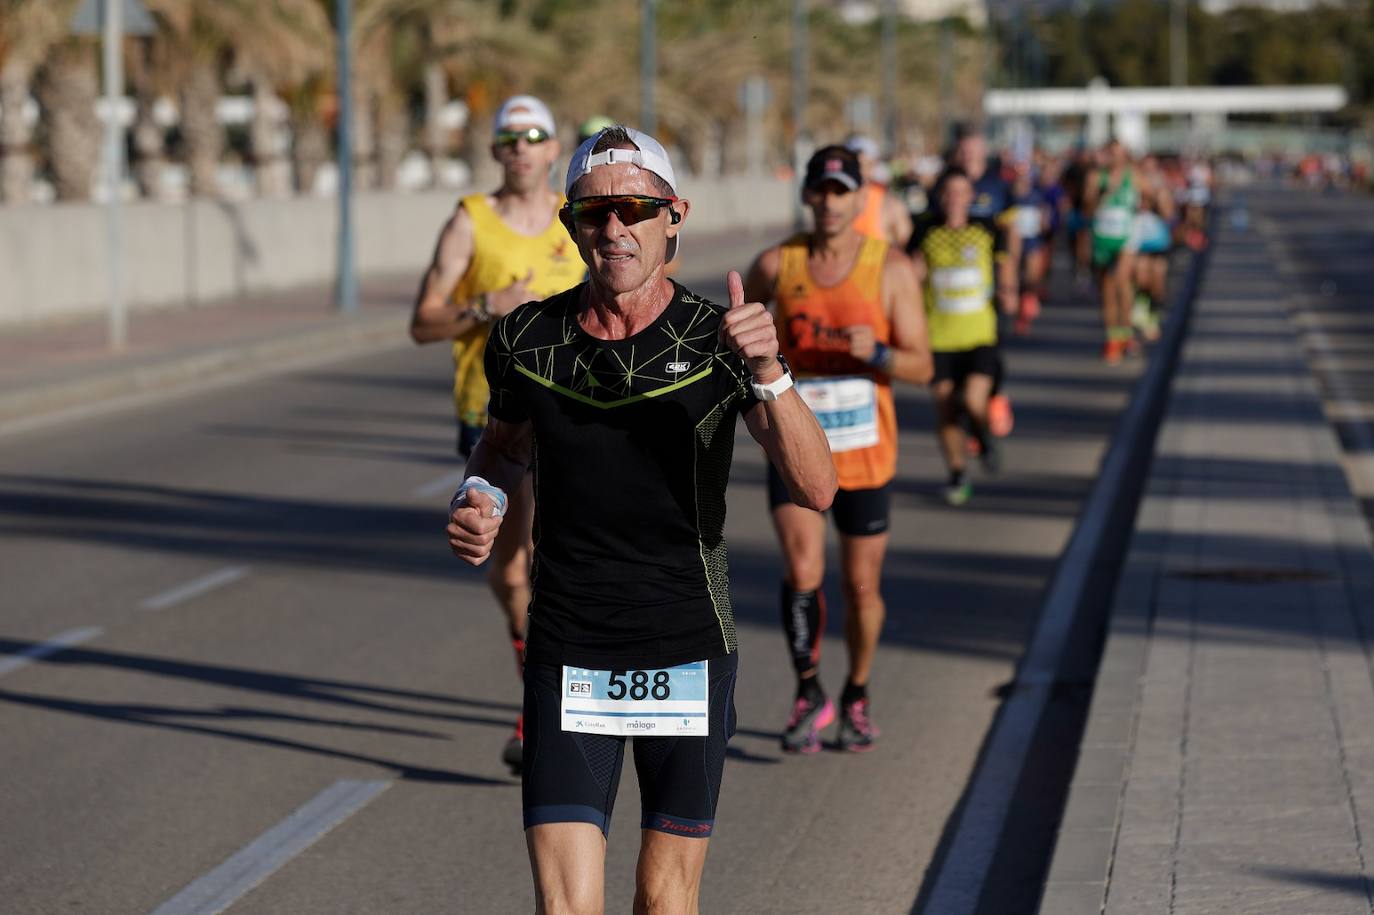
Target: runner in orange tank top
(882, 216)
(850, 320)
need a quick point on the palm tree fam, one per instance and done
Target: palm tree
(273, 41)
(28, 28)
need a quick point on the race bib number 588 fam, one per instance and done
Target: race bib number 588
(668, 702)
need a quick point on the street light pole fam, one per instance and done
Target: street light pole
(799, 96)
(112, 57)
(648, 66)
(890, 76)
(346, 277)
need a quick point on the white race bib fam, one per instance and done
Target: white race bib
(846, 408)
(1113, 222)
(959, 290)
(670, 702)
(1028, 221)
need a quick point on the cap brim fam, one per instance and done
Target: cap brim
(837, 177)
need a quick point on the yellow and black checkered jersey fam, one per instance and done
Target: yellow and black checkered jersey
(960, 282)
(633, 441)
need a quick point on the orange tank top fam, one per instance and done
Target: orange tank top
(852, 401)
(869, 222)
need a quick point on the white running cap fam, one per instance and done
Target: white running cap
(861, 145)
(525, 109)
(650, 156)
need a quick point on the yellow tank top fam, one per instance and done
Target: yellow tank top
(852, 401)
(500, 256)
(959, 286)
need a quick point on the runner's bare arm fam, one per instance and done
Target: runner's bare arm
(762, 280)
(906, 312)
(786, 427)
(500, 458)
(436, 316)
(897, 220)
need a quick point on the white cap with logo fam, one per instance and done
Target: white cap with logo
(650, 156)
(526, 110)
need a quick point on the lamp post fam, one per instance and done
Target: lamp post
(346, 278)
(799, 95)
(648, 66)
(112, 20)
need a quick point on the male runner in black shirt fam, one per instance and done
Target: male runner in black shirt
(622, 394)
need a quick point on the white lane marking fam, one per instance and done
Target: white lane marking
(967, 863)
(255, 862)
(445, 485)
(195, 587)
(52, 646)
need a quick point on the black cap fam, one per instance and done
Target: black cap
(834, 163)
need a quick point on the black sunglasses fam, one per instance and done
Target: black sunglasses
(628, 208)
(532, 136)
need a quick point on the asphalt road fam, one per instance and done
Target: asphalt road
(261, 605)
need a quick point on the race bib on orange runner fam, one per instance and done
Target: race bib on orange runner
(846, 408)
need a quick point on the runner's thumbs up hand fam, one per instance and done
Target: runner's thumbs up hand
(747, 328)
(472, 527)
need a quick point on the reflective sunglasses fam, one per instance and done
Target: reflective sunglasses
(628, 208)
(531, 135)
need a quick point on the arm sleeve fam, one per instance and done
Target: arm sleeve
(507, 403)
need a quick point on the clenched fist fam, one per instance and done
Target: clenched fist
(748, 330)
(472, 527)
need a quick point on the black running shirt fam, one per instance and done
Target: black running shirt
(632, 446)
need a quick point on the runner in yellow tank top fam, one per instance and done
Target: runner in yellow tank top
(849, 317)
(497, 252)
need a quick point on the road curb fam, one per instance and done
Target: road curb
(967, 860)
(1081, 861)
(142, 381)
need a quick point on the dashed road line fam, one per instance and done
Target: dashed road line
(54, 645)
(220, 888)
(195, 587)
(445, 485)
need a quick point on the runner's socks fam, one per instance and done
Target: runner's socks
(803, 621)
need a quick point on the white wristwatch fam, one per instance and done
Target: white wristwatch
(774, 389)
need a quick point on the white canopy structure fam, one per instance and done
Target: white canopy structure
(1129, 110)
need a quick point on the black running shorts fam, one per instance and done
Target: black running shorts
(957, 366)
(857, 512)
(468, 436)
(572, 777)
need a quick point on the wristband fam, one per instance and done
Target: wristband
(479, 308)
(460, 498)
(882, 357)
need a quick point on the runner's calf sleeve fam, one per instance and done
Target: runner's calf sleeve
(803, 620)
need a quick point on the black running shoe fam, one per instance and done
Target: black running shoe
(857, 732)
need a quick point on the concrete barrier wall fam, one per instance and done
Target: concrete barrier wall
(52, 258)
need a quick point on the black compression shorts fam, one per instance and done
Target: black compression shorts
(857, 512)
(957, 366)
(572, 777)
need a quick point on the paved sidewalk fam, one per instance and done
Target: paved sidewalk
(1228, 760)
(66, 369)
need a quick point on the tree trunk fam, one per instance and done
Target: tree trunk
(269, 143)
(16, 158)
(436, 99)
(309, 150)
(364, 139)
(67, 92)
(201, 128)
(150, 149)
(393, 138)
